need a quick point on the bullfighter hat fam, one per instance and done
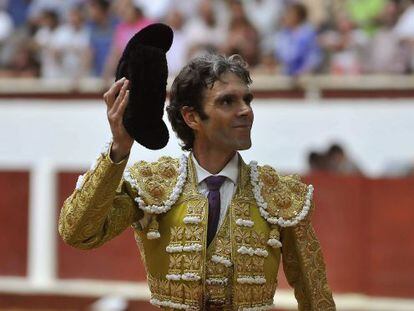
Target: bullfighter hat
(144, 64)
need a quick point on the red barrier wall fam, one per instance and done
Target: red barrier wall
(364, 226)
(14, 202)
(118, 259)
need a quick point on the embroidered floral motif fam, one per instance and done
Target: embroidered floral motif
(194, 234)
(192, 262)
(283, 213)
(152, 190)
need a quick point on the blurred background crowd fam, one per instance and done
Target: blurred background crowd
(74, 39)
(84, 38)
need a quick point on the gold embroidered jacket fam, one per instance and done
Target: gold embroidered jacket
(267, 220)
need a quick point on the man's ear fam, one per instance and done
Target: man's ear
(191, 117)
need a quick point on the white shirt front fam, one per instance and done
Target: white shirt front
(227, 189)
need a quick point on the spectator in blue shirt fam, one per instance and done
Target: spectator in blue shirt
(297, 49)
(101, 28)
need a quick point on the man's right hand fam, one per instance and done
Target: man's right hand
(116, 99)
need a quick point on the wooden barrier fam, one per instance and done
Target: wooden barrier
(14, 202)
(364, 226)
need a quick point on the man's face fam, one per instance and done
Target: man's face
(229, 115)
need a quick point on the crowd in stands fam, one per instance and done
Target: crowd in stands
(83, 38)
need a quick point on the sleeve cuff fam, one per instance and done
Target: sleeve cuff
(108, 156)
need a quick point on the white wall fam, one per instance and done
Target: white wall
(70, 133)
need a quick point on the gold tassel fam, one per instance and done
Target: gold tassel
(274, 237)
(153, 232)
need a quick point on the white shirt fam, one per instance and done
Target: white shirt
(227, 189)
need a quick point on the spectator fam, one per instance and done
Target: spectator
(386, 53)
(155, 9)
(23, 63)
(70, 45)
(18, 10)
(205, 32)
(317, 162)
(132, 19)
(365, 13)
(339, 162)
(188, 9)
(44, 40)
(177, 55)
(242, 38)
(344, 46)
(318, 12)
(404, 28)
(265, 15)
(297, 48)
(6, 26)
(405, 32)
(101, 27)
(61, 7)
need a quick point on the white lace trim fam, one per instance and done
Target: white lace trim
(245, 222)
(152, 235)
(156, 209)
(217, 281)
(177, 248)
(221, 260)
(187, 276)
(258, 308)
(251, 280)
(170, 304)
(252, 251)
(274, 243)
(173, 277)
(79, 182)
(190, 276)
(174, 248)
(191, 220)
(257, 185)
(104, 152)
(194, 247)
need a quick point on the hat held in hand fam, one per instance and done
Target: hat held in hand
(144, 64)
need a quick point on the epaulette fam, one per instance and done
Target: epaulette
(283, 200)
(154, 181)
(158, 186)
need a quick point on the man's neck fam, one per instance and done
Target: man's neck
(212, 160)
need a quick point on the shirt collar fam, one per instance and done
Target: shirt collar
(231, 170)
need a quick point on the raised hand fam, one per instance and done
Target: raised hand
(116, 99)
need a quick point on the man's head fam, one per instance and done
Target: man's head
(336, 155)
(295, 15)
(98, 10)
(210, 103)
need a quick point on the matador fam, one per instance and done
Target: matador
(211, 229)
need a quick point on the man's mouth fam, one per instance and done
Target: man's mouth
(243, 126)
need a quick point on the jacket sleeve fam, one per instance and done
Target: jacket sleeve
(100, 208)
(304, 267)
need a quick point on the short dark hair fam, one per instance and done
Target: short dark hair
(335, 149)
(301, 11)
(189, 86)
(104, 5)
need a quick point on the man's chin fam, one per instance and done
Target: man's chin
(244, 146)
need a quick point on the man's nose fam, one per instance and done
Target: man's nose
(245, 109)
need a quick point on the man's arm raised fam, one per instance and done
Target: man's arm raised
(122, 141)
(101, 206)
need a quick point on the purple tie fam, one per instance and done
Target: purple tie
(213, 184)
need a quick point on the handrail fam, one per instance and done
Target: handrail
(261, 83)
